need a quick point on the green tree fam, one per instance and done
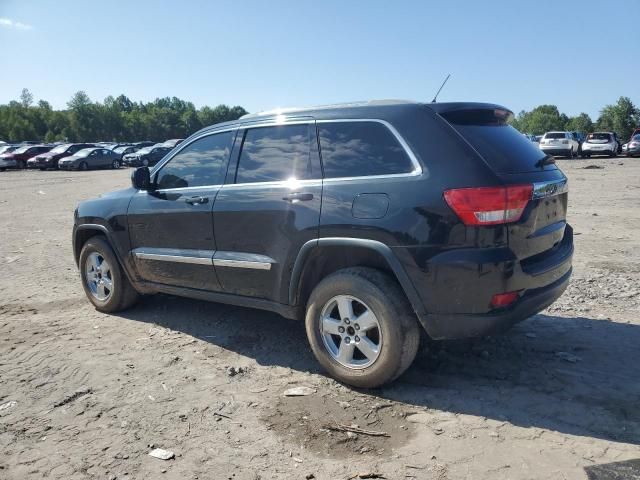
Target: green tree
(580, 123)
(26, 98)
(622, 117)
(541, 119)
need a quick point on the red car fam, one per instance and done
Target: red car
(18, 158)
(50, 159)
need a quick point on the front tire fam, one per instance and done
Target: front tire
(116, 164)
(83, 166)
(361, 327)
(103, 279)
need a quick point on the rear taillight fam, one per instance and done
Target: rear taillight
(504, 299)
(489, 205)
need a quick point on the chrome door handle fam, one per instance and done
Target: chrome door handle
(197, 200)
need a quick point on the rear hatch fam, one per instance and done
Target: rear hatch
(599, 138)
(540, 231)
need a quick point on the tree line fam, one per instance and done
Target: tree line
(622, 117)
(115, 119)
(120, 119)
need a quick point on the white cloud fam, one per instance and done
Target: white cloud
(8, 23)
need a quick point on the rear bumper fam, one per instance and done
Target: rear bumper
(456, 286)
(560, 151)
(8, 163)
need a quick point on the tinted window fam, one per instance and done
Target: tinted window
(501, 146)
(203, 162)
(276, 153)
(356, 149)
(555, 135)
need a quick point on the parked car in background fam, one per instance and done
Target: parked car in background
(600, 143)
(531, 138)
(635, 132)
(125, 150)
(173, 142)
(51, 158)
(90, 158)
(18, 158)
(8, 148)
(561, 144)
(118, 145)
(146, 157)
(145, 143)
(633, 147)
(343, 217)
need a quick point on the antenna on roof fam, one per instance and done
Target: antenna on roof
(441, 86)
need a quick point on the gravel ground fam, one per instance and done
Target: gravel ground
(88, 395)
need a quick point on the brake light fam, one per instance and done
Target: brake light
(504, 299)
(489, 205)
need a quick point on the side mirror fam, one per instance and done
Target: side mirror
(141, 179)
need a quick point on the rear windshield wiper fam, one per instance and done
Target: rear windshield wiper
(547, 160)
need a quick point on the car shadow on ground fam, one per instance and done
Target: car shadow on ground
(572, 375)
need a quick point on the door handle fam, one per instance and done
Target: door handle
(298, 197)
(197, 200)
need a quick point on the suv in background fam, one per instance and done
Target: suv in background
(51, 158)
(600, 143)
(438, 216)
(561, 144)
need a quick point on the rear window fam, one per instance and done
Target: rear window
(555, 135)
(599, 136)
(503, 147)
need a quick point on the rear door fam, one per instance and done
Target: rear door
(171, 227)
(268, 209)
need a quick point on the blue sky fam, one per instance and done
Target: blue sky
(266, 54)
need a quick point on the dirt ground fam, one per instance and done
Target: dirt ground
(88, 395)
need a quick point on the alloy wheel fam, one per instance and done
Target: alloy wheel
(350, 332)
(98, 276)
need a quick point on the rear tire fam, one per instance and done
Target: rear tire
(98, 262)
(395, 336)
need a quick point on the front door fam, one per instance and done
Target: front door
(171, 226)
(269, 207)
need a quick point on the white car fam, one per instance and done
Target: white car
(561, 144)
(600, 143)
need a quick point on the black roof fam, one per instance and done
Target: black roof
(368, 109)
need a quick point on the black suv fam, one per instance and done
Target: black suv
(368, 220)
(146, 156)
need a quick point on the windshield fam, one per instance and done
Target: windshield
(61, 148)
(145, 150)
(7, 149)
(22, 149)
(636, 138)
(554, 135)
(121, 149)
(84, 152)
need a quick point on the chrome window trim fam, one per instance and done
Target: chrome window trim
(549, 188)
(314, 182)
(417, 171)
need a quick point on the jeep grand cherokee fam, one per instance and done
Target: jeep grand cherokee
(369, 220)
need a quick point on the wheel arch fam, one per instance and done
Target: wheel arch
(321, 257)
(82, 233)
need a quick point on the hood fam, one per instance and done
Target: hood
(125, 192)
(8, 155)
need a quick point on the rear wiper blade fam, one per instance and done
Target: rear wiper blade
(547, 160)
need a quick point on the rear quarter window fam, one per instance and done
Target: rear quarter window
(357, 149)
